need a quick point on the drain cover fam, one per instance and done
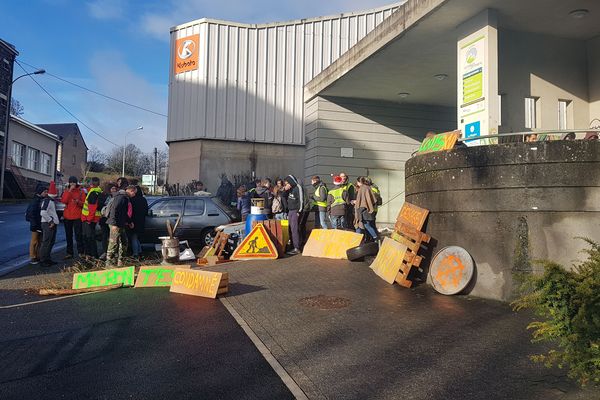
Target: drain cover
(324, 302)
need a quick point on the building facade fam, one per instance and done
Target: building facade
(8, 53)
(32, 156)
(72, 151)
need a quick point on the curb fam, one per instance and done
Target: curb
(20, 262)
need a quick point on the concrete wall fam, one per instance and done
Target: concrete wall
(593, 52)
(33, 139)
(207, 160)
(509, 205)
(382, 136)
(547, 67)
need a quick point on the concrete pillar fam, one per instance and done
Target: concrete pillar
(477, 77)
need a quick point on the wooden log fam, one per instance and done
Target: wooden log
(65, 292)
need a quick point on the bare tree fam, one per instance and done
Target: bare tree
(16, 108)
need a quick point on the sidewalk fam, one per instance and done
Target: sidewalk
(384, 341)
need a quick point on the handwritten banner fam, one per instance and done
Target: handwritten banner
(442, 141)
(412, 215)
(107, 277)
(199, 283)
(389, 260)
(157, 275)
(331, 243)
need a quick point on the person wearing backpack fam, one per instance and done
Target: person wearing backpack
(119, 219)
(33, 216)
(106, 198)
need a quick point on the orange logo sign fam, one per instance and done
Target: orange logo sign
(450, 271)
(186, 54)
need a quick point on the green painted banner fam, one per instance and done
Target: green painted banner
(157, 275)
(107, 277)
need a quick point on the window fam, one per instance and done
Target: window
(18, 154)
(33, 159)
(167, 208)
(563, 106)
(74, 141)
(46, 164)
(74, 160)
(6, 64)
(531, 112)
(194, 207)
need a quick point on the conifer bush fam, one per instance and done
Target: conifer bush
(568, 304)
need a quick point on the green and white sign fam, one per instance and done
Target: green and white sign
(107, 277)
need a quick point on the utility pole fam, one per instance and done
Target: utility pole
(155, 168)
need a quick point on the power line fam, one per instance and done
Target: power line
(98, 93)
(64, 108)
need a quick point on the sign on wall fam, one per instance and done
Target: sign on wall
(186, 54)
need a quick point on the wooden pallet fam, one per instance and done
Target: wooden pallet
(208, 253)
(413, 239)
(276, 234)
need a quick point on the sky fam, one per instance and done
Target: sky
(120, 48)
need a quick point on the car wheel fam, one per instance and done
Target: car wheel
(366, 249)
(206, 237)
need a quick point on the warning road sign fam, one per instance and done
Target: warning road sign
(256, 245)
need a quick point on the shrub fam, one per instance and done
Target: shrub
(569, 304)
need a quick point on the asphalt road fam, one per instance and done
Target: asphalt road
(15, 234)
(130, 343)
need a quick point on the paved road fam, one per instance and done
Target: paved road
(14, 232)
(130, 343)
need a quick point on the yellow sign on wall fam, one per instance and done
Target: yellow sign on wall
(389, 260)
(331, 243)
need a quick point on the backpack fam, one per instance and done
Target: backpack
(107, 208)
(32, 209)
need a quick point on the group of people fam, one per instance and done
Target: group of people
(346, 206)
(119, 209)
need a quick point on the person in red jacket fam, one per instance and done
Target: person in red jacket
(73, 197)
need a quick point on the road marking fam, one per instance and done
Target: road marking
(279, 370)
(46, 300)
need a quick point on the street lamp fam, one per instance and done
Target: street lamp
(139, 128)
(5, 144)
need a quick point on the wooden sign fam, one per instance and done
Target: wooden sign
(389, 260)
(256, 245)
(331, 243)
(157, 275)
(107, 277)
(199, 283)
(442, 141)
(412, 215)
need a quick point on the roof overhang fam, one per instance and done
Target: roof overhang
(35, 128)
(406, 52)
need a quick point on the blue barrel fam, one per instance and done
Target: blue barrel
(254, 217)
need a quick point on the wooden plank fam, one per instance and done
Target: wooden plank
(389, 260)
(157, 275)
(331, 243)
(412, 215)
(197, 283)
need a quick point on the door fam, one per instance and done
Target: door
(158, 214)
(391, 185)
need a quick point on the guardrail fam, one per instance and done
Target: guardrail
(523, 135)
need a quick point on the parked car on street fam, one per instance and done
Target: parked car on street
(199, 217)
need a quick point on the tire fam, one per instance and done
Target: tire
(366, 249)
(206, 237)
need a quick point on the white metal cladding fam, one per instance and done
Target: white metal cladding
(250, 81)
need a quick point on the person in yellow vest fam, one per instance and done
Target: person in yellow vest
(378, 198)
(337, 204)
(90, 216)
(319, 203)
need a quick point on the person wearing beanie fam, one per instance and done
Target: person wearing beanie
(74, 198)
(50, 221)
(295, 207)
(34, 217)
(338, 202)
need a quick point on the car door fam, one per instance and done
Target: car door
(192, 223)
(158, 214)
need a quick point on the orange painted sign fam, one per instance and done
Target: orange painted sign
(157, 275)
(451, 270)
(256, 245)
(331, 243)
(412, 215)
(389, 260)
(186, 54)
(199, 283)
(442, 141)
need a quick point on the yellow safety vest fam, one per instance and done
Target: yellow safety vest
(337, 195)
(377, 193)
(86, 211)
(318, 193)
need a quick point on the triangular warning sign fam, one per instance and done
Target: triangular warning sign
(256, 245)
